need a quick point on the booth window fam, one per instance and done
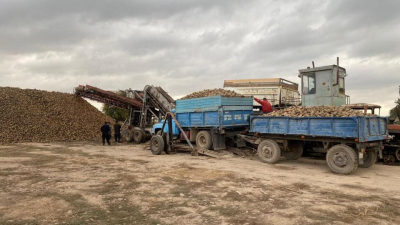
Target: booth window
(308, 84)
(341, 85)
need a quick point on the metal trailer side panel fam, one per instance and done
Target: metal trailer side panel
(362, 128)
(214, 119)
(373, 128)
(213, 103)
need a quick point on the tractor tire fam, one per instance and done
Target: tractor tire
(269, 151)
(138, 136)
(342, 159)
(295, 152)
(204, 140)
(369, 159)
(157, 145)
(127, 135)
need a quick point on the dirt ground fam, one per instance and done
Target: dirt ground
(85, 183)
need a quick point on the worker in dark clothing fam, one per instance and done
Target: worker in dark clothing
(105, 133)
(265, 105)
(117, 132)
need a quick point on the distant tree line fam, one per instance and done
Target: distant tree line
(395, 111)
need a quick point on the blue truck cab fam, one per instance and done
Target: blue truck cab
(157, 127)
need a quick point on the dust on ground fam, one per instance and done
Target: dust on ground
(85, 183)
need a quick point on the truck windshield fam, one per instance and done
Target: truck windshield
(308, 84)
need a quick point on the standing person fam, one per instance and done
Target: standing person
(265, 105)
(117, 132)
(109, 133)
(105, 133)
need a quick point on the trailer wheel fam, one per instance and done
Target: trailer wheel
(269, 151)
(295, 152)
(138, 136)
(127, 135)
(157, 144)
(204, 140)
(342, 159)
(398, 154)
(389, 159)
(369, 159)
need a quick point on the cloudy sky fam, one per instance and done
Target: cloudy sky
(190, 45)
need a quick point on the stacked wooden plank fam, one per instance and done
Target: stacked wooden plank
(213, 92)
(39, 116)
(318, 111)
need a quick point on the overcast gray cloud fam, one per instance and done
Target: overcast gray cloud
(190, 45)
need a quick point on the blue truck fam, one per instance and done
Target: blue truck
(208, 121)
(350, 142)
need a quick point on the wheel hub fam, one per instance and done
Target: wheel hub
(267, 151)
(155, 143)
(340, 159)
(202, 140)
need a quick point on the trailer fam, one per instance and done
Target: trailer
(391, 152)
(206, 121)
(349, 141)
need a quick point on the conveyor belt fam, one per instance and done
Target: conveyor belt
(108, 97)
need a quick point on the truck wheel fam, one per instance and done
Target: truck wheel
(369, 159)
(342, 159)
(269, 151)
(389, 159)
(204, 140)
(127, 135)
(157, 145)
(295, 152)
(138, 136)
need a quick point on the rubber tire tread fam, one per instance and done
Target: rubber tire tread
(349, 151)
(127, 135)
(160, 148)
(138, 136)
(373, 155)
(275, 149)
(208, 137)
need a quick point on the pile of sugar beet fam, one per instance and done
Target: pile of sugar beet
(39, 116)
(318, 111)
(213, 92)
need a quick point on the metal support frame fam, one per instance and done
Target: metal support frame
(169, 117)
(326, 145)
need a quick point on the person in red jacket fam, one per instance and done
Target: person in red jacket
(265, 105)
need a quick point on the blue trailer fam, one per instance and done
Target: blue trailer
(349, 141)
(209, 120)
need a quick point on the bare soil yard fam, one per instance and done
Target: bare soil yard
(85, 183)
